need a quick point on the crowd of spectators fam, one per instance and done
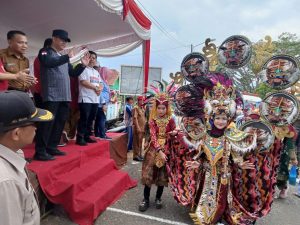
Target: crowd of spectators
(54, 102)
(76, 95)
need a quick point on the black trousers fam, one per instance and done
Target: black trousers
(100, 128)
(48, 133)
(38, 100)
(87, 116)
(159, 192)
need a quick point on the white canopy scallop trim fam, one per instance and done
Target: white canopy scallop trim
(118, 50)
(116, 6)
(112, 6)
(139, 30)
(109, 52)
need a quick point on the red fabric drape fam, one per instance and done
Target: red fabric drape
(131, 6)
(138, 14)
(3, 83)
(146, 50)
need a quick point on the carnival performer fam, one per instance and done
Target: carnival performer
(221, 172)
(161, 125)
(215, 153)
(203, 156)
(139, 120)
(221, 148)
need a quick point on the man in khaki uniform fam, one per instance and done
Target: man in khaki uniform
(15, 64)
(139, 122)
(18, 204)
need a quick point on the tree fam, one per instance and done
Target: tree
(262, 51)
(287, 43)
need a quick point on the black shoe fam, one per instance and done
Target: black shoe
(158, 203)
(90, 140)
(108, 138)
(139, 159)
(81, 142)
(29, 160)
(61, 144)
(144, 205)
(56, 152)
(43, 157)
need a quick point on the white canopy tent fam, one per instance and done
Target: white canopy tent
(108, 27)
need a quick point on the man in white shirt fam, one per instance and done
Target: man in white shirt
(90, 87)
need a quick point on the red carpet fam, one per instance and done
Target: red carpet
(85, 181)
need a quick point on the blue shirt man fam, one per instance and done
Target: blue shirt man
(128, 121)
(100, 122)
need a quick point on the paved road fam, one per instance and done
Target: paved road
(125, 212)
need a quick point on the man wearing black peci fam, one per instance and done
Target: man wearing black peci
(55, 71)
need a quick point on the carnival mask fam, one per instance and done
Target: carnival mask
(265, 136)
(193, 127)
(194, 66)
(235, 52)
(280, 72)
(220, 100)
(280, 108)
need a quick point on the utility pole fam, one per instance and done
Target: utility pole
(193, 46)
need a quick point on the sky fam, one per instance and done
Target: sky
(189, 22)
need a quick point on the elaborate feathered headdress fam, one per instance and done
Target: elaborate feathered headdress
(162, 94)
(221, 97)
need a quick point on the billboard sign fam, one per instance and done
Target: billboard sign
(132, 79)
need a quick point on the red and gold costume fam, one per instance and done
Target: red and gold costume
(208, 188)
(154, 171)
(161, 125)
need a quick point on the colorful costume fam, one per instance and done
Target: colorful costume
(253, 190)
(212, 178)
(281, 109)
(139, 121)
(154, 170)
(208, 188)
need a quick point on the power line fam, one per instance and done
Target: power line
(160, 27)
(169, 49)
(158, 51)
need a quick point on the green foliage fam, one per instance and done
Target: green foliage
(287, 43)
(262, 89)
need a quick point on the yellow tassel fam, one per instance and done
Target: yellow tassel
(224, 181)
(236, 218)
(195, 219)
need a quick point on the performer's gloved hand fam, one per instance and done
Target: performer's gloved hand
(173, 132)
(192, 164)
(246, 165)
(163, 155)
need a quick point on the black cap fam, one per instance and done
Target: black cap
(62, 34)
(17, 109)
